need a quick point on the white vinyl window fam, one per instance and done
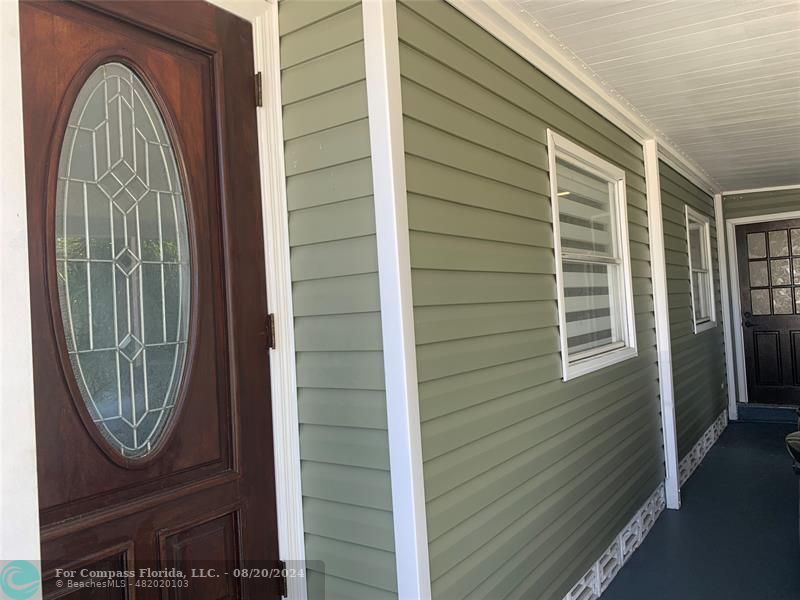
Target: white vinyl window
(593, 271)
(702, 282)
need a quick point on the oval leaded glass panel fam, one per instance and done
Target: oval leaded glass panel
(122, 258)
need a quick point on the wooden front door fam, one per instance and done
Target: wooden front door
(769, 281)
(153, 415)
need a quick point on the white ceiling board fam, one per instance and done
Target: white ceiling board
(719, 79)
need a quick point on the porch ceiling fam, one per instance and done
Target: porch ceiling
(719, 78)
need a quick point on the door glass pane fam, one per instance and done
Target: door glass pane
(760, 302)
(796, 269)
(756, 245)
(758, 273)
(796, 242)
(780, 272)
(782, 301)
(585, 211)
(778, 243)
(122, 255)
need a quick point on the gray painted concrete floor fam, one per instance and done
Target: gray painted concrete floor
(736, 535)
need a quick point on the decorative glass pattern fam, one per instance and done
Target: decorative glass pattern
(760, 302)
(756, 245)
(782, 301)
(123, 259)
(778, 243)
(758, 273)
(780, 272)
(796, 242)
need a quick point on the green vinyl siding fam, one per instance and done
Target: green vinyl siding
(698, 360)
(760, 203)
(527, 478)
(344, 452)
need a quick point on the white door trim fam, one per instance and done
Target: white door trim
(658, 264)
(727, 324)
(263, 15)
(382, 62)
(736, 289)
(19, 498)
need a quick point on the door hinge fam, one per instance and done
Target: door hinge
(282, 579)
(259, 94)
(270, 330)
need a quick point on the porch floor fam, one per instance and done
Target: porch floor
(736, 535)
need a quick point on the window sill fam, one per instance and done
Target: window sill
(595, 363)
(700, 327)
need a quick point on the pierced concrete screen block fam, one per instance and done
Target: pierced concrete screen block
(122, 255)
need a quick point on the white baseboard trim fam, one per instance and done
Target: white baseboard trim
(600, 575)
(698, 452)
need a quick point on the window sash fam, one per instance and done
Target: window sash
(700, 276)
(599, 313)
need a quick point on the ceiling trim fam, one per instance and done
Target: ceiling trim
(521, 33)
(777, 188)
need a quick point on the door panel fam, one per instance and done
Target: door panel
(111, 368)
(769, 278)
(767, 350)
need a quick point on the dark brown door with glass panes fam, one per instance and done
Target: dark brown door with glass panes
(151, 372)
(769, 280)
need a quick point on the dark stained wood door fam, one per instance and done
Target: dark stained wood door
(769, 281)
(153, 417)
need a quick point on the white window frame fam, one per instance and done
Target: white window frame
(581, 363)
(693, 216)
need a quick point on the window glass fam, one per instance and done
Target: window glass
(702, 285)
(585, 211)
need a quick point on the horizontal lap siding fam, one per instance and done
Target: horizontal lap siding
(760, 203)
(341, 400)
(698, 361)
(527, 478)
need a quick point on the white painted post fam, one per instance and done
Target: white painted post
(382, 60)
(725, 300)
(661, 308)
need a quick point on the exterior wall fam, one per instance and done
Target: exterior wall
(527, 478)
(760, 203)
(698, 360)
(342, 407)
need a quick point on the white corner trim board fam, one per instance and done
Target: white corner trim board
(19, 499)
(661, 310)
(602, 572)
(520, 32)
(698, 452)
(727, 323)
(382, 62)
